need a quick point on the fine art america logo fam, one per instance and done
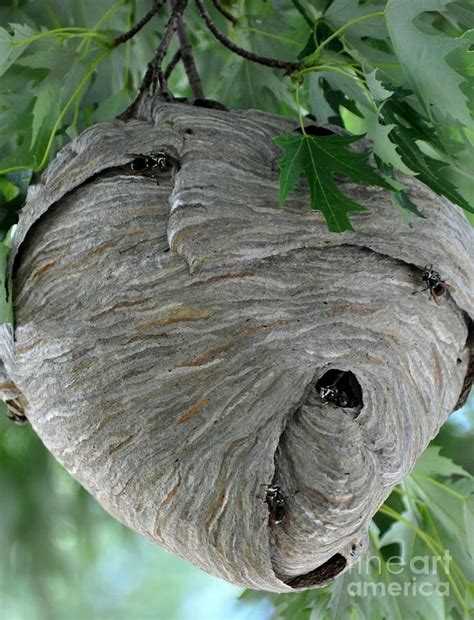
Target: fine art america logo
(416, 576)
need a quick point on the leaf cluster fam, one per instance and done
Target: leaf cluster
(401, 73)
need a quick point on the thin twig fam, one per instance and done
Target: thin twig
(188, 61)
(157, 75)
(223, 11)
(172, 64)
(269, 62)
(139, 25)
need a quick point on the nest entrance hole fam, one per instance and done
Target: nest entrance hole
(340, 388)
(320, 575)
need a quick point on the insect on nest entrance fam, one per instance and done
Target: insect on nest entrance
(341, 389)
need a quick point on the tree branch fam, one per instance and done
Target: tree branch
(154, 74)
(263, 60)
(139, 25)
(223, 11)
(188, 61)
(157, 75)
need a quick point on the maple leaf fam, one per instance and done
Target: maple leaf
(319, 158)
(432, 172)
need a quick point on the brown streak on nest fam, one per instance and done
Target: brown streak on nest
(171, 494)
(195, 409)
(183, 314)
(9, 385)
(28, 347)
(37, 272)
(122, 444)
(223, 277)
(102, 248)
(83, 365)
(211, 354)
(104, 420)
(122, 304)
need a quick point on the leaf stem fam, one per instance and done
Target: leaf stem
(298, 106)
(104, 17)
(339, 31)
(330, 68)
(63, 32)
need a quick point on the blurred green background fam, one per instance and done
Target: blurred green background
(65, 558)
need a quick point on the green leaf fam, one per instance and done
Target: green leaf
(46, 104)
(383, 145)
(8, 189)
(328, 92)
(407, 205)
(430, 171)
(432, 463)
(423, 58)
(377, 89)
(9, 52)
(402, 199)
(319, 158)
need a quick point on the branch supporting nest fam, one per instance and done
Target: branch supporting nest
(155, 78)
(263, 60)
(188, 60)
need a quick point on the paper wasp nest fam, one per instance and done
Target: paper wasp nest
(176, 335)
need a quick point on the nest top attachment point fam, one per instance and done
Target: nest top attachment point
(227, 377)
